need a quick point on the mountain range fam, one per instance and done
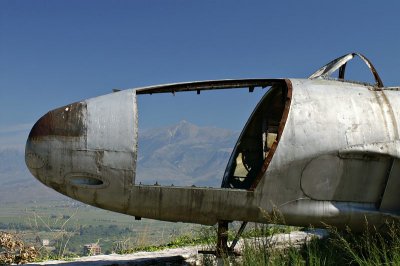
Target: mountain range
(183, 154)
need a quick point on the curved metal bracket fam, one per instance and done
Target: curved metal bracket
(340, 63)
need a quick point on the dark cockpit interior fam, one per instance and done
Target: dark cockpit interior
(257, 140)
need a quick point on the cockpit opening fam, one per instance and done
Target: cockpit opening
(257, 143)
(253, 149)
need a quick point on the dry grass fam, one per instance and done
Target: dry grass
(13, 250)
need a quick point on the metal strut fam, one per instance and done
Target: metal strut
(222, 249)
(236, 239)
(340, 63)
(222, 239)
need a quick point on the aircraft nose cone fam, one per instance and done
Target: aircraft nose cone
(87, 150)
(47, 139)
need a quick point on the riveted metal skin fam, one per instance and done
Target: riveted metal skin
(335, 159)
(87, 150)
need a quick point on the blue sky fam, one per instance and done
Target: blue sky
(56, 52)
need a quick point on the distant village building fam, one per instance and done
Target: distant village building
(92, 249)
(45, 242)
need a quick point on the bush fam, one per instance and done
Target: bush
(13, 250)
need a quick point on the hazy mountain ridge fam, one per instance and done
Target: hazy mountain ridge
(181, 154)
(184, 154)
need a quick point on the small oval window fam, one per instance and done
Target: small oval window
(86, 180)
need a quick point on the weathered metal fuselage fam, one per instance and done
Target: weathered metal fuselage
(335, 159)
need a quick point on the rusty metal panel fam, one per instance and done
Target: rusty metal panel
(67, 121)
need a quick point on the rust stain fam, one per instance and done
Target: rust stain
(282, 123)
(67, 121)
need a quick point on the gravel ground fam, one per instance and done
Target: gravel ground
(179, 256)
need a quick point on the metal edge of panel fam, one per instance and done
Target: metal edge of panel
(281, 127)
(207, 85)
(340, 63)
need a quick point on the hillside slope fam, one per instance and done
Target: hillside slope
(184, 154)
